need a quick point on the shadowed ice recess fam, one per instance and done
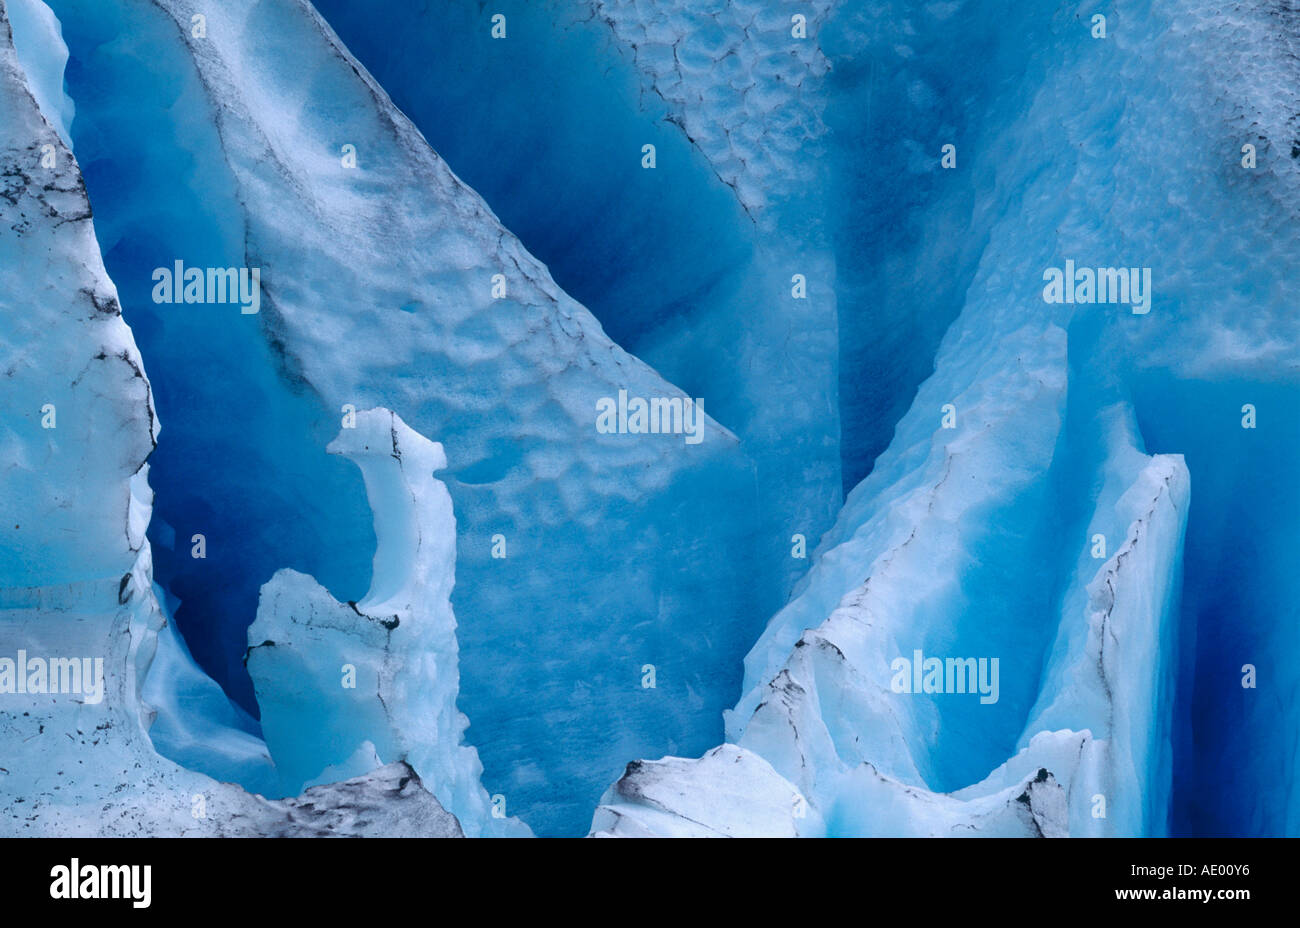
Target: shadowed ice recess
(242, 463)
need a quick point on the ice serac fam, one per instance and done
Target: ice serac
(78, 423)
(1113, 667)
(744, 798)
(390, 801)
(75, 564)
(342, 683)
(42, 54)
(378, 290)
(77, 429)
(921, 565)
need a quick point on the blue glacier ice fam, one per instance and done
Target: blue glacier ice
(42, 56)
(376, 679)
(735, 120)
(363, 562)
(148, 205)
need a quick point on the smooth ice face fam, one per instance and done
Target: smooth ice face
(1238, 634)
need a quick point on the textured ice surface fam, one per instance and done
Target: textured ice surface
(736, 132)
(744, 83)
(742, 86)
(369, 275)
(70, 510)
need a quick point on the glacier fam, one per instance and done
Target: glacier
(748, 323)
(361, 561)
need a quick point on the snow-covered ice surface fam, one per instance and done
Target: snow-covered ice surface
(746, 799)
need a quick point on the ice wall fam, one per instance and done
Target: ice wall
(691, 263)
(241, 465)
(744, 82)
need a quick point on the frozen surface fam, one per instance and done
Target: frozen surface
(389, 802)
(196, 725)
(730, 101)
(745, 798)
(42, 56)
